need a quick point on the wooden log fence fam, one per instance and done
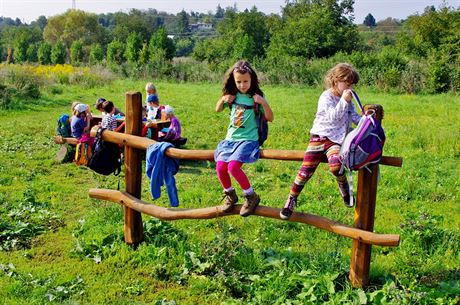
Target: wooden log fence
(361, 232)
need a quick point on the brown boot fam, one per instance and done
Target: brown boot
(251, 203)
(230, 200)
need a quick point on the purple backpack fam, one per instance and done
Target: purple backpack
(363, 145)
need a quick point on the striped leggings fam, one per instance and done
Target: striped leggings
(317, 147)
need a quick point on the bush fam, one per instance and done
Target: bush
(76, 52)
(6, 101)
(58, 53)
(44, 53)
(96, 54)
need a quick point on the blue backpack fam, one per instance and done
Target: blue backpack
(63, 126)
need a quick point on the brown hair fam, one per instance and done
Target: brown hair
(99, 102)
(342, 72)
(107, 106)
(243, 67)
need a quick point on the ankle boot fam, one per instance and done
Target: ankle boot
(230, 200)
(250, 204)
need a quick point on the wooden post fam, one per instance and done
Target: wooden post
(364, 217)
(134, 231)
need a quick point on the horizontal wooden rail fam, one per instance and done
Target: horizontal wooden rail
(127, 200)
(190, 154)
(62, 140)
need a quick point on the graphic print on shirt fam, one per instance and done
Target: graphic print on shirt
(239, 117)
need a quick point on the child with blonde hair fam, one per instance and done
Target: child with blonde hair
(333, 115)
(241, 93)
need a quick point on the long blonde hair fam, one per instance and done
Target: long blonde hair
(342, 72)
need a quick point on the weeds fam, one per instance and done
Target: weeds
(43, 289)
(21, 221)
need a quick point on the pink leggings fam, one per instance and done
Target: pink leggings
(233, 167)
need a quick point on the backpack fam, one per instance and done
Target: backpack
(364, 144)
(261, 121)
(106, 156)
(63, 126)
(83, 152)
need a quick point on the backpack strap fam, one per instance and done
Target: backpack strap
(241, 105)
(355, 96)
(99, 133)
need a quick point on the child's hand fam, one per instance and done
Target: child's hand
(258, 99)
(347, 95)
(228, 98)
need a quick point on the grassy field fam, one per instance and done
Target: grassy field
(59, 246)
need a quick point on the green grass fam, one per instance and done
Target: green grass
(80, 256)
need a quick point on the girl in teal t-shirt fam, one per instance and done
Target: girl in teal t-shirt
(241, 93)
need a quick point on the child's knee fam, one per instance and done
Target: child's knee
(221, 167)
(334, 165)
(234, 167)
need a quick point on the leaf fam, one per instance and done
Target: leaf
(362, 296)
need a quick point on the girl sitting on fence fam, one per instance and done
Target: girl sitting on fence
(240, 93)
(334, 111)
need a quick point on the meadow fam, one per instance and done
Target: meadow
(58, 246)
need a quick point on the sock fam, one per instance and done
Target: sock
(231, 188)
(249, 191)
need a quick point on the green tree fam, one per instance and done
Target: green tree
(219, 12)
(133, 47)
(115, 52)
(58, 53)
(41, 22)
(314, 29)
(144, 54)
(182, 23)
(19, 38)
(20, 49)
(96, 53)
(369, 21)
(160, 41)
(429, 31)
(184, 47)
(142, 22)
(44, 53)
(74, 25)
(241, 35)
(76, 52)
(32, 53)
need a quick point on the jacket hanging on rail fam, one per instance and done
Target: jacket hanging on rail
(161, 170)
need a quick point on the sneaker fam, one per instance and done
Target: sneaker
(286, 212)
(348, 201)
(230, 200)
(249, 206)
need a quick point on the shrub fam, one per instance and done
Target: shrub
(6, 101)
(58, 53)
(32, 53)
(115, 52)
(96, 54)
(44, 53)
(76, 52)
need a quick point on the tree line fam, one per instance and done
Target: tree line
(413, 55)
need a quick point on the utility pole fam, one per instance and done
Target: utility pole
(73, 5)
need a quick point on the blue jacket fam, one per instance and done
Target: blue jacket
(161, 170)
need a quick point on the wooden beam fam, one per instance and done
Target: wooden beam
(324, 223)
(190, 154)
(134, 231)
(364, 217)
(62, 140)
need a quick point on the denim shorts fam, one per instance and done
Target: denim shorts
(242, 151)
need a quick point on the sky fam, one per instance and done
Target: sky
(29, 10)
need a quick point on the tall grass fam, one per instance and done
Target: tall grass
(233, 260)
